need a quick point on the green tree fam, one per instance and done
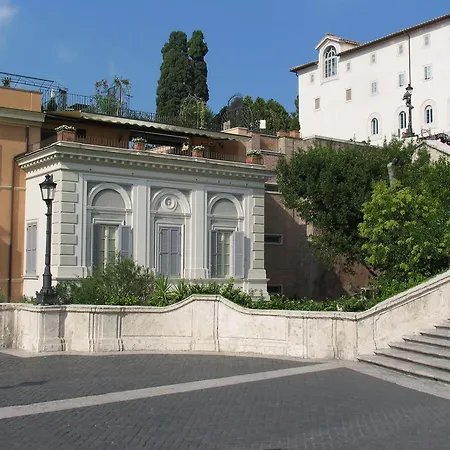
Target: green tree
(295, 122)
(174, 83)
(328, 188)
(407, 230)
(197, 50)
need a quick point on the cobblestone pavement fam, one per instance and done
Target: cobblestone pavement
(313, 409)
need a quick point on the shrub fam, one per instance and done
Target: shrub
(121, 282)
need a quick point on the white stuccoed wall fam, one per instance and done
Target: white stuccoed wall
(343, 119)
(214, 324)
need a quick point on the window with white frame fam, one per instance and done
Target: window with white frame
(374, 126)
(429, 114)
(349, 66)
(401, 79)
(317, 103)
(105, 244)
(426, 40)
(311, 78)
(400, 49)
(373, 58)
(330, 59)
(30, 251)
(402, 120)
(427, 73)
(374, 88)
(227, 253)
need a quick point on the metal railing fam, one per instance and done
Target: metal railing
(63, 101)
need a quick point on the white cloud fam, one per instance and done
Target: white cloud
(7, 12)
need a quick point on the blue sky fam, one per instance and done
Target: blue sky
(252, 43)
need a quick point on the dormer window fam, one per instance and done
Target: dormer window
(330, 67)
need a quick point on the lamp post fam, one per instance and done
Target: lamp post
(407, 97)
(47, 295)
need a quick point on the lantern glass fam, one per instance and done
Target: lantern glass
(48, 188)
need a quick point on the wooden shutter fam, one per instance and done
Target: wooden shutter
(238, 254)
(31, 244)
(95, 244)
(125, 242)
(213, 254)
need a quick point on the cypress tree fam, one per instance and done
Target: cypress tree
(199, 71)
(175, 81)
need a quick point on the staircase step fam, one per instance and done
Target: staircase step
(407, 368)
(422, 349)
(441, 333)
(416, 358)
(427, 340)
(443, 326)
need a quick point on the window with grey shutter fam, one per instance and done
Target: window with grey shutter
(213, 256)
(170, 251)
(125, 242)
(238, 254)
(31, 244)
(96, 244)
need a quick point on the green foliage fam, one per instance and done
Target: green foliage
(327, 187)
(194, 113)
(174, 84)
(51, 105)
(197, 50)
(122, 282)
(112, 98)
(406, 229)
(275, 115)
(295, 123)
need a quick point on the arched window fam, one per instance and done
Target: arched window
(429, 114)
(330, 68)
(402, 120)
(374, 126)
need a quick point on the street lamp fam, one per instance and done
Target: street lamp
(407, 97)
(47, 295)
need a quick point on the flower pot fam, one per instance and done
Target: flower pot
(66, 135)
(254, 159)
(197, 153)
(140, 146)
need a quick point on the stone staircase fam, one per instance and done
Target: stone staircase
(425, 355)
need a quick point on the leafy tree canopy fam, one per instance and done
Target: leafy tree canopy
(197, 50)
(328, 188)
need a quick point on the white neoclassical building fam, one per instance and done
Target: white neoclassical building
(192, 218)
(355, 91)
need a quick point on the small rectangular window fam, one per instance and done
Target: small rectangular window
(274, 288)
(31, 244)
(275, 239)
(427, 72)
(349, 66)
(374, 88)
(401, 79)
(317, 103)
(373, 58)
(311, 78)
(400, 49)
(426, 40)
(348, 95)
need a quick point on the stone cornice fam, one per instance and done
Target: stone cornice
(72, 152)
(10, 115)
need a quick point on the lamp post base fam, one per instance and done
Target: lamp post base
(46, 297)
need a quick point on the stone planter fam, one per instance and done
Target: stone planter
(254, 159)
(65, 135)
(282, 133)
(198, 153)
(294, 133)
(140, 146)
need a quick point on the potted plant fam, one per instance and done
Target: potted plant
(198, 151)
(138, 143)
(254, 157)
(66, 133)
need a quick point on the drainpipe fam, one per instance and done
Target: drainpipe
(11, 225)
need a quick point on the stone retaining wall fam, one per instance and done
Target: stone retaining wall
(212, 323)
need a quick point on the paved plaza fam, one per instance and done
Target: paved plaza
(208, 401)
